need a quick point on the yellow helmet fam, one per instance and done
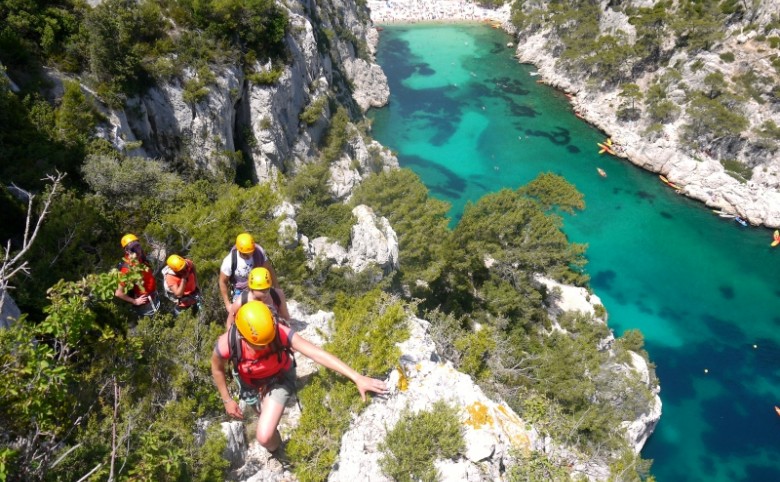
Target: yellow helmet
(176, 262)
(256, 323)
(128, 238)
(259, 279)
(245, 243)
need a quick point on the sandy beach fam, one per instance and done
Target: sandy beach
(408, 11)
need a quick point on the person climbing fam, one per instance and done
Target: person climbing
(181, 283)
(142, 296)
(260, 350)
(233, 273)
(259, 289)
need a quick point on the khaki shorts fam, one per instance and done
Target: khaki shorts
(284, 389)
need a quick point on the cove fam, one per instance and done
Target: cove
(704, 291)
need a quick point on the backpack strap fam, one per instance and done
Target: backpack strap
(233, 264)
(234, 346)
(277, 299)
(258, 256)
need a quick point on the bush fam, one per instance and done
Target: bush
(727, 57)
(365, 333)
(737, 170)
(314, 111)
(401, 197)
(417, 440)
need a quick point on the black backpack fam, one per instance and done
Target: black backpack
(258, 256)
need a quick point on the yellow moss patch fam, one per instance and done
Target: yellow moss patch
(403, 380)
(478, 415)
(512, 425)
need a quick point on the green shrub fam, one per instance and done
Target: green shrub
(737, 170)
(537, 466)
(194, 91)
(336, 138)
(769, 130)
(418, 440)
(314, 111)
(475, 348)
(400, 196)
(365, 333)
(727, 57)
(267, 77)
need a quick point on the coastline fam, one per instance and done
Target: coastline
(702, 178)
(425, 11)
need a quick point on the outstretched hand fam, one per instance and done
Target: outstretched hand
(366, 384)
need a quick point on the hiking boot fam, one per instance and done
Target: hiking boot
(280, 454)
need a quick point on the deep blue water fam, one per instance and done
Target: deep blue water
(704, 291)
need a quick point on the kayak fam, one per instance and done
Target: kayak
(669, 183)
(741, 221)
(605, 148)
(775, 238)
(601, 172)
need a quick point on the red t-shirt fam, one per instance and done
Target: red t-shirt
(256, 365)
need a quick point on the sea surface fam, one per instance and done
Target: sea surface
(704, 291)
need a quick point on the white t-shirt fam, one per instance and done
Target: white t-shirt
(243, 267)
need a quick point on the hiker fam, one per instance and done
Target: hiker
(244, 256)
(260, 352)
(142, 296)
(181, 284)
(259, 289)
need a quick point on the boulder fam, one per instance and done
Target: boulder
(373, 242)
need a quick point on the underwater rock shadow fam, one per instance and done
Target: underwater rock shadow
(453, 185)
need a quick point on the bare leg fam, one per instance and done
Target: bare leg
(270, 415)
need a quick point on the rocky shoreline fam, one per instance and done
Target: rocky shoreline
(700, 176)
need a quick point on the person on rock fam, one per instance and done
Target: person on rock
(143, 296)
(259, 289)
(234, 271)
(260, 350)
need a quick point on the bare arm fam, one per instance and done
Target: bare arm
(328, 360)
(220, 380)
(178, 288)
(232, 310)
(120, 293)
(223, 289)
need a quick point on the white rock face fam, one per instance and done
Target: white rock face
(639, 430)
(265, 119)
(702, 175)
(573, 298)
(371, 88)
(491, 429)
(322, 247)
(169, 126)
(344, 178)
(373, 242)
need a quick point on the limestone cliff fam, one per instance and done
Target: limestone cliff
(263, 121)
(700, 172)
(495, 436)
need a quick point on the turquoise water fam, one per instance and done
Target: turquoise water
(470, 120)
